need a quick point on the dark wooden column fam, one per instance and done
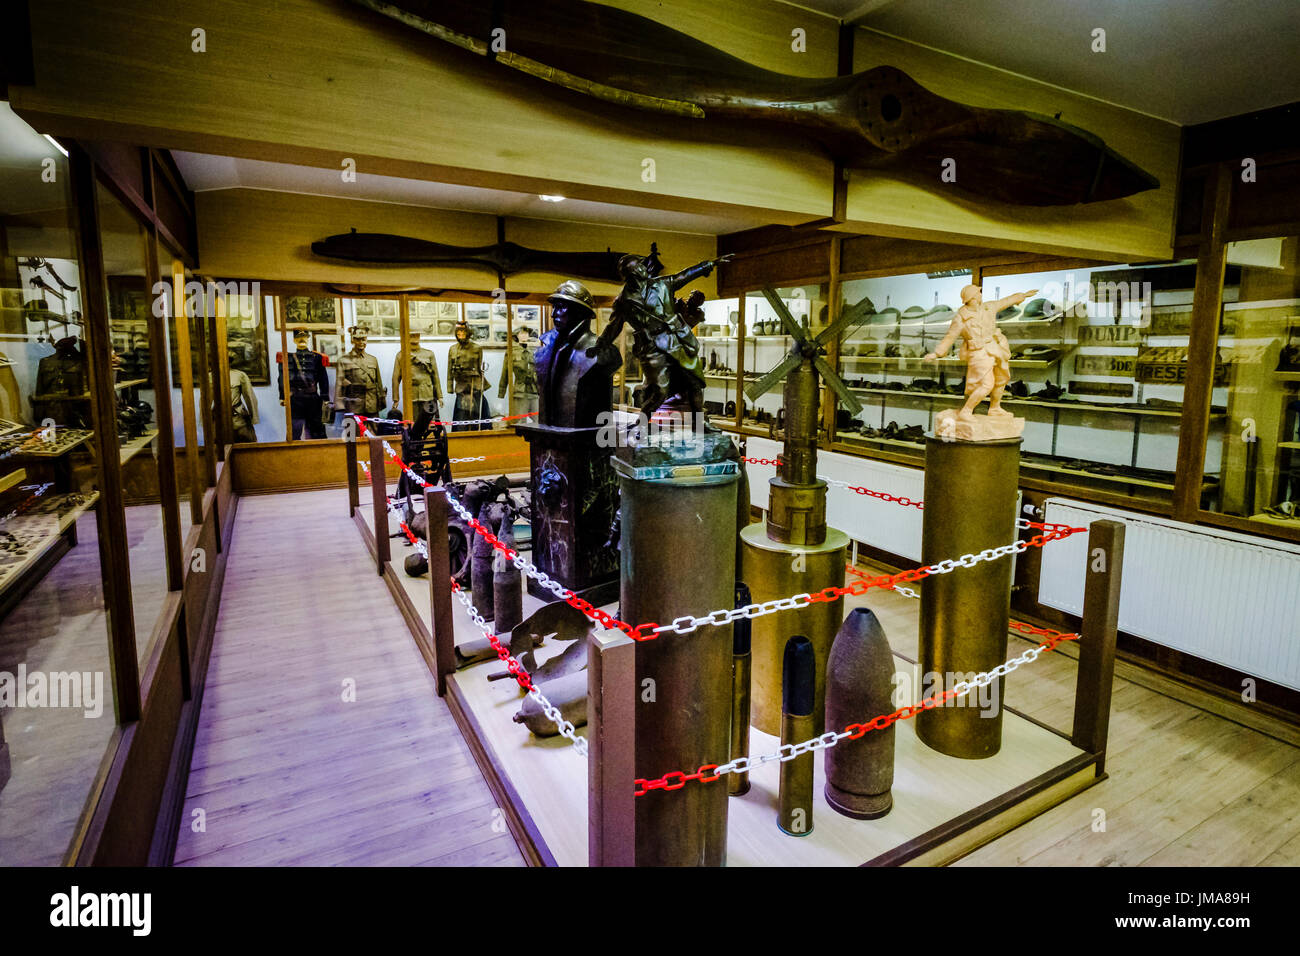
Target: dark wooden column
(1204, 338)
(1104, 570)
(611, 749)
(444, 628)
(114, 560)
(379, 498)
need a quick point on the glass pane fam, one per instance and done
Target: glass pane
(1254, 439)
(300, 320)
(718, 334)
(899, 320)
(1098, 361)
(768, 342)
(130, 302)
(519, 386)
(432, 330)
(56, 693)
(255, 414)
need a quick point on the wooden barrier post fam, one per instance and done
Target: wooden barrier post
(444, 628)
(611, 749)
(1105, 565)
(379, 496)
(354, 483)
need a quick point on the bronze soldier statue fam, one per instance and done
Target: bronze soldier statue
(573, 390)
(662, 339)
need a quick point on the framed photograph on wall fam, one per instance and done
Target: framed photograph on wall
(328, 344)
(530, 317)
(498, 326)
(305, 312)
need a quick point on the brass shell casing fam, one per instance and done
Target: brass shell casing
(796, 513)
(795, 797)
(741, 670)
(970, 505)
(687, 720)
(769, 569)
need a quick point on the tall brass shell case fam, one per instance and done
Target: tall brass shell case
(678, 558)
(970, 505)
(772, 570)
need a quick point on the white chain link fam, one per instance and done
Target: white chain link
(832, 737)
(464, 421)
(552, 712)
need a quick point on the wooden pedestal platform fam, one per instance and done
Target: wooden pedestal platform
(944, 807)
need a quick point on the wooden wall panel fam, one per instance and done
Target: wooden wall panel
(296, 466)
(266, 235)
(354, 84)
(1138, 227)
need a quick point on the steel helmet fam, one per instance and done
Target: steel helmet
(574, 292)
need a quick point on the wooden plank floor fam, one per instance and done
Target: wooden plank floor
(285, 770)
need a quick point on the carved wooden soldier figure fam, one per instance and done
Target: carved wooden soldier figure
(984, 349)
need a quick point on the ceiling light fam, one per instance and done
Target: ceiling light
(545, 198)
(55, 143)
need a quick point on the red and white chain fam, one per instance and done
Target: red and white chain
(421, 548)
(857, 489)
(710, 772)
(552, 712)
(460, 421)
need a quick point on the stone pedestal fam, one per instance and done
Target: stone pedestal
(575, 497)
(678, 557)
(970, 505)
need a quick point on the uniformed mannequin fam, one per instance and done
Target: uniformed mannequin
(426, 390)
(309, 386)
(62, 386)
(519, 376)
(243, 403)
(466, 381)
(357, 387)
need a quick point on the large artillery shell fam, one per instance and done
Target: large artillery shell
(738, 783)
(859, 686)
(568, 693)
(507, 585)
(970, 506)
(795, 808)
(481, 563)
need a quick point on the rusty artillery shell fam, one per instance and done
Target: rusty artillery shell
(738, 783)
(859, 685)
(795, 809)
(507, 585)
(568, 693)
(481, 563)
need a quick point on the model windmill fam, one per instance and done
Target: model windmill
(795, 552)
(798, 509)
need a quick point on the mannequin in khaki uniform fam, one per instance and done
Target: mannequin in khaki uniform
(357, 387)
(426, 390)
(466, 381)
(519, 376)
(243, 404)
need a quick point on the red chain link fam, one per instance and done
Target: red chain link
(677, 779)
(882, 495)
(513, 666)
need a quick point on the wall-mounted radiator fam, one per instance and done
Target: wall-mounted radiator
(1222, 596)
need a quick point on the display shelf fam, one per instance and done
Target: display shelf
(1288, 444)
(1280, 522)
(1084, 473)
(1287, 376)
(858, 437)
(15, 477)
(943, 362)
(31, 534)
(130, 449)
(131, 383)
(1044, 403)
(64, 441)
